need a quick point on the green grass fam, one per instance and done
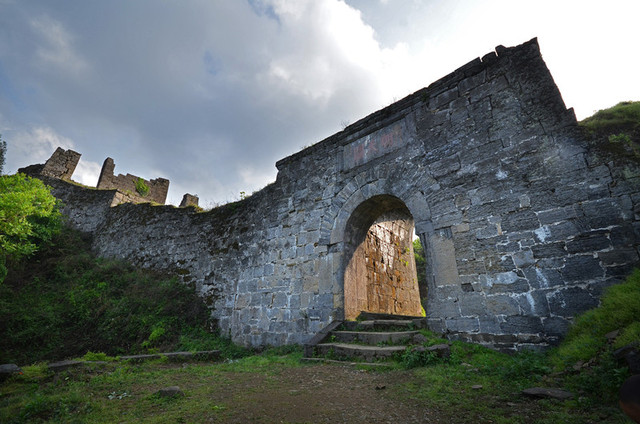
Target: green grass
(125, 392)
(63, 302)
(448, 386)
(616, 129)
(619, 310)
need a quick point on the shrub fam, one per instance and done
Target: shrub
(63, 302)
(616, 129)
(29, 217)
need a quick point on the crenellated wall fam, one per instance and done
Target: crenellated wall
(127, 185)
(522, 224)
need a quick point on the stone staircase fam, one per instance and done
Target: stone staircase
(373, 337)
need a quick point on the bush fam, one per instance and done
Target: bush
(29, 217)
(616, 129)
(63, 302)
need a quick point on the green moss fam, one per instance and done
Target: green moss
(141, 187)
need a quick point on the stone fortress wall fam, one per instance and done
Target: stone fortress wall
(522, 224)
(158, 188)
(63, 163)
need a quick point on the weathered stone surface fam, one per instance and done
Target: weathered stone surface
(523, 227)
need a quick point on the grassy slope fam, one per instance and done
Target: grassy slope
(616, 130)
(63, 302)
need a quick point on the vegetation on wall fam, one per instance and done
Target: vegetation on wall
(616, 129)
(141, 187)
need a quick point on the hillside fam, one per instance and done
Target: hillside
(616, 130)
(62, 302)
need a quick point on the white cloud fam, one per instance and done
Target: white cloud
(214, 93)
(57, 46)
(254, 178)
(87, 173)
(38, 144)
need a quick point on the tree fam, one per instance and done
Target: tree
(29, 216)
(3, 152)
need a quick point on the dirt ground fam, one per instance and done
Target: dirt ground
(320, 394)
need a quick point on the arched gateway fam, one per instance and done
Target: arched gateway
(522, 224)
(380, 274)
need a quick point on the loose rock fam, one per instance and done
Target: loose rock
(7, 370)
(170, 392)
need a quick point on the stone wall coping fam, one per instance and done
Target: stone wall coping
(397, 110)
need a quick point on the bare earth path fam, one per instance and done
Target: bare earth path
(318, 394)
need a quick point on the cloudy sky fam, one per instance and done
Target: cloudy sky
(211, 93)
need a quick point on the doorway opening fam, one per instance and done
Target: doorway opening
(380, 273)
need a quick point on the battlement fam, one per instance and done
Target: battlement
(61, 164)
(128, 188)
(137, 189)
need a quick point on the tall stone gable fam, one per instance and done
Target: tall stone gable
(523, 226)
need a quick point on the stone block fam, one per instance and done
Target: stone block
(489, 324)
(555, 326)
(603, 213)
(472, 304)
(624, 235)
(507, 282)
(520, 221)
(549, 250)
(523, 258)
(464, 325)
(502, 305)
(553, 216)
(543, 277)
(522, 324)
(533, 303)
(442, 309)
(619, 257)
(570, 302)
(581, 268)
(472, 82)
(443, 99)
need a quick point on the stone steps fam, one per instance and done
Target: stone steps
(373, 338)
(365, 352)
(377, 337)
(380, 325)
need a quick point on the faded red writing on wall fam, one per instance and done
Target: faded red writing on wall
(373, 146)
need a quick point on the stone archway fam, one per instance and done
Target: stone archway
(380, 270)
